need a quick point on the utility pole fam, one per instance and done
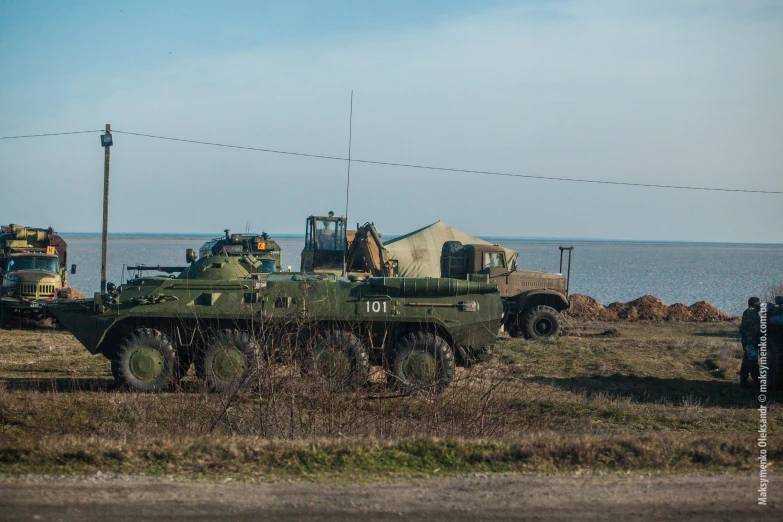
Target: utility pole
(106, 143)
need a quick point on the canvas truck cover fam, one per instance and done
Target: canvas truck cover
(418, 253)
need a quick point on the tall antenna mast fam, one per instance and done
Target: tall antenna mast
(348, 185)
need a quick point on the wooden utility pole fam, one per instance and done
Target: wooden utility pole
(105, 234)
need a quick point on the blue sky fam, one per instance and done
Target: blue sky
(680, 93)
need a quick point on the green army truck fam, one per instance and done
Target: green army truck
(33, 268)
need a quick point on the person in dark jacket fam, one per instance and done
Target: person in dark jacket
(750, 336)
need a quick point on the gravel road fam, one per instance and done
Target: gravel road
(521, 497)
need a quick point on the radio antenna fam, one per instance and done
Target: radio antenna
(348, 184)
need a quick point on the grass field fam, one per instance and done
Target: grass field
(654, 397)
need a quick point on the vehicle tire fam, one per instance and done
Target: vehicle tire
(540, 323)
(228, 360)
(423, 361)
(145, 361)
(451, 248)
(341, 360)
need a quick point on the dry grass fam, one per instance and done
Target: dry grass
(658, 397)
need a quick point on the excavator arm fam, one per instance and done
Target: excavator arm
(366, 253)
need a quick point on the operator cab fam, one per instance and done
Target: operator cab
(325, 242)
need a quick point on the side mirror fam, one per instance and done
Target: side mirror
(110, 287)
(190, 255)
(73, 269)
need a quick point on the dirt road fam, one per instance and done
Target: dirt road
(524, 497)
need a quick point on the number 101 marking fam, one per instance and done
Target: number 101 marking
(376, 306)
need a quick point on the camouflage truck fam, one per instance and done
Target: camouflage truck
(532, 300)
(226, 315)
(33, 268)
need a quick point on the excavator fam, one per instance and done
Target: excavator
(331, 247)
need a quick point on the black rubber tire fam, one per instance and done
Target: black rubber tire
(144, 338)
(348, 346)
(208, 361)
(540, 323)
(451, 248)
(439, 351)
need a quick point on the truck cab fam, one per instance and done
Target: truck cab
(33, 269)
(532, 300)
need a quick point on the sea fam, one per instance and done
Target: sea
(722, 274)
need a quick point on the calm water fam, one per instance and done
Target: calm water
(724, 275)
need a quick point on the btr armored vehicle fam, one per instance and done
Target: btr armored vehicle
(33, 270)
(226, 314)
(260, 247)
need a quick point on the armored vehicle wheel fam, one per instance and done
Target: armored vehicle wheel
(341, 360)
(539, 323)
(145, 361)
(228, 359)
(423, 360)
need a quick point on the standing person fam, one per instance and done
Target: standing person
(750, 336)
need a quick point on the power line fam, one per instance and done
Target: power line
(50, 134)
(411, 165)
(463, 171)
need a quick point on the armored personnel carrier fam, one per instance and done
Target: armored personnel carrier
(227, 315)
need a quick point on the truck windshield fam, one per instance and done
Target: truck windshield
(330, 235)
(33, 263)
(494, 260)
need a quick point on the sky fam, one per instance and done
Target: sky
(668, 92)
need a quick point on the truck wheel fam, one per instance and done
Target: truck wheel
(540, 323)
(228, 360)
(341, 360)
(422, 361)
(145, 361)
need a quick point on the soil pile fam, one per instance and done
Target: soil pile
(679, 312)
(704, 312)
(585, 307)
(75, 294)
(645, 308)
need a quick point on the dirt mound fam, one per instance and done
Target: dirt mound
(616, 311)
(610, 312)
(704, 312)
(585, 307)
(75, 294)
(646, 308)
(680, 313)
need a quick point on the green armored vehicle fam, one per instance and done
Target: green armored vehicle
(260, 247)
(227, 315)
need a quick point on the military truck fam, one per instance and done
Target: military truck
(533, 300)
(33, 269)
(227, 315)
